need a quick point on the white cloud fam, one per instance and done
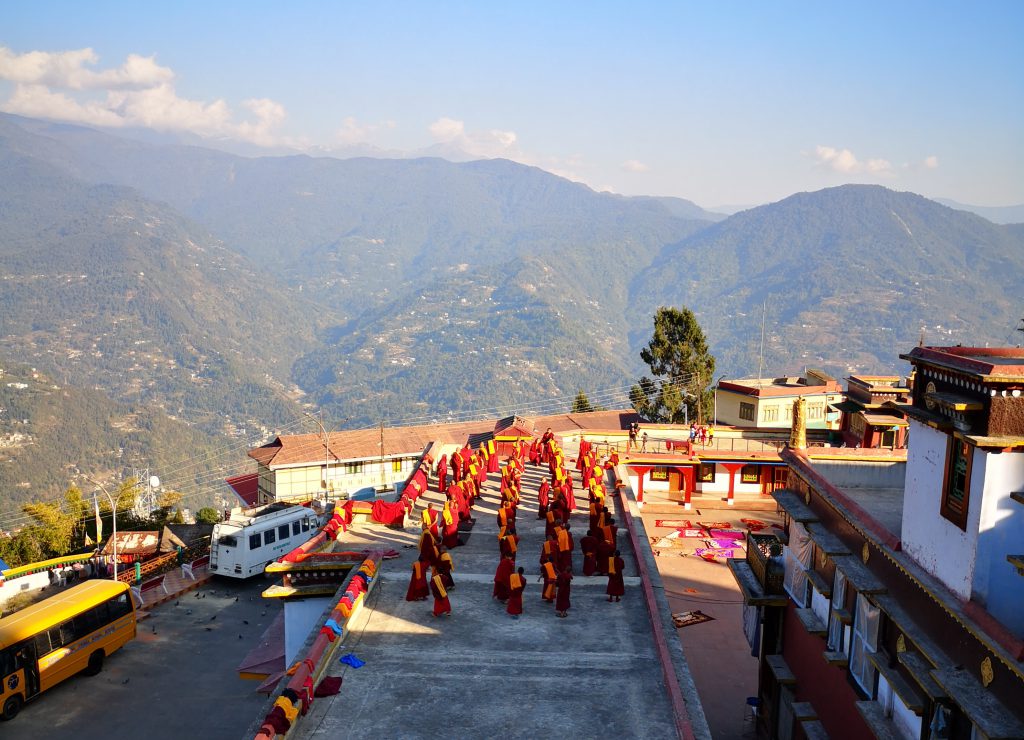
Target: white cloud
(446, 130)
(484, 144)
(843, 160)
(58, 85)
(633, 165)
(931, 162)
(67, 69)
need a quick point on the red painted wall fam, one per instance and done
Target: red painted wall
(825, 686)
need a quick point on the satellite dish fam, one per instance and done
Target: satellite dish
(154, 482)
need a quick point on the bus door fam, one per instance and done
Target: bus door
(20, 671)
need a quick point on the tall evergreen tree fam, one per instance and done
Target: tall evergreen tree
(581, 404)
(683, 370)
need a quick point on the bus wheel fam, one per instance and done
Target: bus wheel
(11, 707)
(95, 664)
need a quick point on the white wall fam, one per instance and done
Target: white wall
(938, 545)
(997, 584)
(300, 617)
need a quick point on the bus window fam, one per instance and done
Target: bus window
(6, 662)
(282, 532)
(305, 525)
(42, 644)
(255, 541)
(269, 537)
(296, 528)
(120, 606)
(228, 541)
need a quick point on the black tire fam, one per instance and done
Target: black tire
(95, 664)
(11, 707)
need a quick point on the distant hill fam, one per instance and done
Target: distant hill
(105, 289)
(850, 275)
(411, 289)
(53, 434)
(995, 214)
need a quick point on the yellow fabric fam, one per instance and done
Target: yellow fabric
(447, 514)
(490, 446)
(563, 540)
(611, 566)
(290, 710)
(511, 543)
(515, 581)
(440, 586)
(445, 557)
(549, 571)
(417, 568)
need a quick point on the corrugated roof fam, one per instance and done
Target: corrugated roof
(362, 444)
(246, 487)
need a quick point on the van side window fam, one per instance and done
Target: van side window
(282, 532)
(305, 525)
(296, 528)
(270, 536)
(255, 541)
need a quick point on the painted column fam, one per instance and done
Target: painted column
(640, 473)
(733, 469)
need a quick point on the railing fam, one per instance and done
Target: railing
(764, 553)
(164, 563)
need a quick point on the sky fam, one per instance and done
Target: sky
(722, 103)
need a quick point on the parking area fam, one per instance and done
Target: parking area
(176, 679)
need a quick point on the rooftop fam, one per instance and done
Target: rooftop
(811, 382)
(480, 673)
(992, 364)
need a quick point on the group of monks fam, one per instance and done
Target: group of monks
(557, 503)
(440, 532)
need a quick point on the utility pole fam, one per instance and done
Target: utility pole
(113, 507)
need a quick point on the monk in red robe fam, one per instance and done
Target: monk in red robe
(565, 548)
(428, 547)
(444, 567)
(542, 498)
(616, 588)
(549, 575)
(588, 545)
(506, 567)
(418, 590)
(492, 457)
(562, 603)
(516, 586)
(442, 474)
(441, 603)
(456, 467)
(507, 545)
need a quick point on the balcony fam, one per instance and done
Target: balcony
(760, 574)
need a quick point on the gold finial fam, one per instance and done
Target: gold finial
(987, 674)
(798, 433)
(865, 553)
(901, 644)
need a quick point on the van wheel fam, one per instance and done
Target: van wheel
(95, 664)
(11, 707)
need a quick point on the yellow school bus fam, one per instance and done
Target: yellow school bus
(69, 633)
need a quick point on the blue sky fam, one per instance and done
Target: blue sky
(721, 103)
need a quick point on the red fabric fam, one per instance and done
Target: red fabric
(389, 513)
(329, 686)
(442, 474)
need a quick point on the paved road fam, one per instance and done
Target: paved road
(176, 680)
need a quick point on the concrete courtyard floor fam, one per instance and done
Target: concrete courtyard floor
(717, 652)
(481, 674)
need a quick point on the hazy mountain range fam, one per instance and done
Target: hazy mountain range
(222, 292)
